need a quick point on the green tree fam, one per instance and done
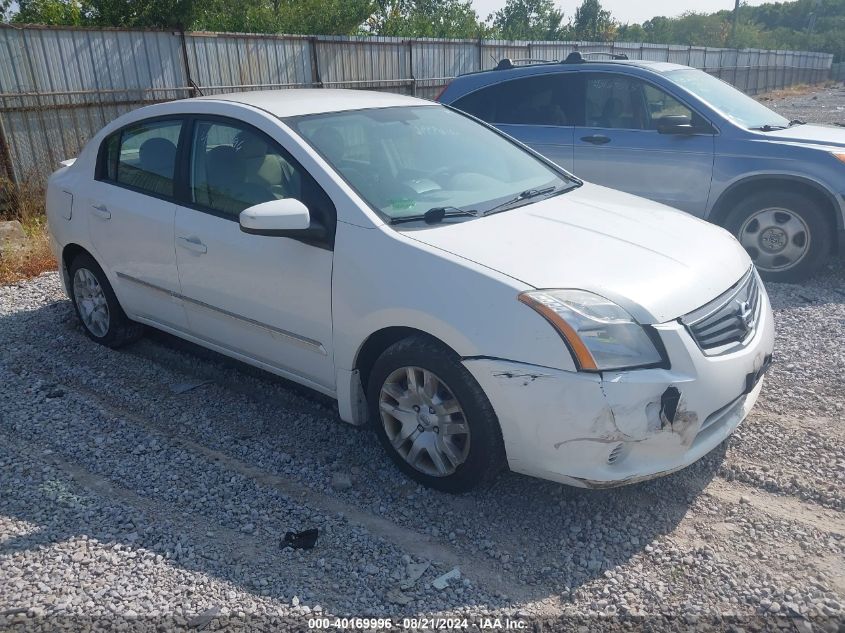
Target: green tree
(143, 14)
(631, 33)
(593, 23)
(425, 18)
(52, 12)
(529, 20)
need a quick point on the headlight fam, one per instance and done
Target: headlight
(840, 156)
(600, 334)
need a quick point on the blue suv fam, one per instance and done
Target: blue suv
(681, 137)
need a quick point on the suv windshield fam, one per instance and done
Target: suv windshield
(737, 106)
(405, 161)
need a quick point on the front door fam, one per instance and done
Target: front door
(131, 209)
(619, 145)
(266, 298)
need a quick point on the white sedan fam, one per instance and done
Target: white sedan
(476, 304)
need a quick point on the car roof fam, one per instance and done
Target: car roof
(586, 65)
(470, 82)
(286, 103)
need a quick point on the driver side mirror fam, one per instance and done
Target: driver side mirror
(284, 217)
(677, 124)
(287, 217)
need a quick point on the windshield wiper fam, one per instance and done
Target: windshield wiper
(794, 122)
(525, 195)
(435, 215)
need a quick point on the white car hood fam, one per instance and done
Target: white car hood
(656, 262)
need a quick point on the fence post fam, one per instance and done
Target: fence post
(6, 155)
(187, 63)
(480, 54)
(411, 67)
(736, 66)
(316, 80)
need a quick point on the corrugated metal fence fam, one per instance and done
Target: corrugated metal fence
(58, 86)
(837, 72)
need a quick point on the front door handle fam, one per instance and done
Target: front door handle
(596, 139)
(101, 211)
(192, 244)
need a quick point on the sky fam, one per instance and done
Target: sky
(628, 10)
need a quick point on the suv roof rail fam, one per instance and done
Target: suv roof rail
(507, 63)
(577, 57)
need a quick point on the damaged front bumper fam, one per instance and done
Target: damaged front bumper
(616, 428)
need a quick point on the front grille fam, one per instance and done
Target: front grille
(730, 319)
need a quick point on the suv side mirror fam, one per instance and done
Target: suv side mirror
(676, 124)
(276, 217)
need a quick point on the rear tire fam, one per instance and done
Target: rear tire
(97, 307)
(786, 234)
(433, 418)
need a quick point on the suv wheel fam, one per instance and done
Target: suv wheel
(785, 233)
(96, 305)
(432, 417)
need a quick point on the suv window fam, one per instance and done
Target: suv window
(614, 101)
(235, 166)
(143, 156)
(627, 103)
(660, 104)
(547, 99)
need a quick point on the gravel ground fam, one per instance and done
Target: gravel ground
(825, 105)
(125, 499)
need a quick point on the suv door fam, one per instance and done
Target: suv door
(131, 208)
(265, 298)
(538, 110)
(618, 144)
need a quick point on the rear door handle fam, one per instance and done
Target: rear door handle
(101, 211)
(192, 244)
(596, 139)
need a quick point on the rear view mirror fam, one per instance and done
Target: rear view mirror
(276, 217)
(676, 124)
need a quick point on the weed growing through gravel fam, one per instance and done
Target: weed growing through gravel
(25, 202)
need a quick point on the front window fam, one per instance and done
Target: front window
(740, 108)
(234, 166)
(614, 101)
(405, 161)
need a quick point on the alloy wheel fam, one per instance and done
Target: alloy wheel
(91, 302)
(424, 421)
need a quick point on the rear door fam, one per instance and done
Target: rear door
(131, 209)
(617, 143)
(538, 110)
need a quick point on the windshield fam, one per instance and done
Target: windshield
(737, 106)
(407, 160)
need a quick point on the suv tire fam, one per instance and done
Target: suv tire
(786, 233)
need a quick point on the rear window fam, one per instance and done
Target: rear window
(142, 157)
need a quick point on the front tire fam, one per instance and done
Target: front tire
(96, 305)
(432, 417)
(786, 234)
